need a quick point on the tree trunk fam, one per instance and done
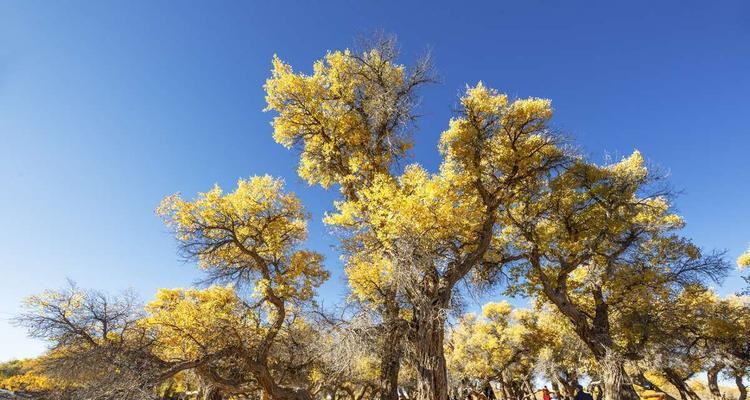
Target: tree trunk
(686, 393)
(614, 378)
(391, 352)
(275, 391)
(505, 389)
(595, 333)
(740, 386)
(713, 380)
(641, 380)
(212, 393)
(429, 334)
(389, 368)
(530, 388)
(567, 388)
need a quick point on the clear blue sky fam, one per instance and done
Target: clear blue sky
(106, 107)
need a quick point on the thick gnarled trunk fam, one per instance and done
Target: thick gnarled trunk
(616, 382)
(389, 368)
(428, 338)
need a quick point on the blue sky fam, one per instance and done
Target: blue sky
(106, 107)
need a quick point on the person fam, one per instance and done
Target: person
(545, 393)
(581, 395)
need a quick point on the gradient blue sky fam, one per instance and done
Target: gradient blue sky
(106, 107)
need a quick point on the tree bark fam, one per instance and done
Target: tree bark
(505, 389)
(212, 393)
(391, 352)
(713, 380)
(740, 386)
(616, 385)
(530, 388)
(429, 334)
(390, 365)
(686, 393)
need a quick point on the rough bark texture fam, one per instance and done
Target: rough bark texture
(389, 368)
(616, 385)
(713, 380)
(391, 353)
(432, 376)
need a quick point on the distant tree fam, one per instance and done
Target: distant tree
(27, 376)
(11, 368)
(564, 359)
(744, 262)
(97, 348)
(502, 345)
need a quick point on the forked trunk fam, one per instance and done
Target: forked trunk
(596, 333)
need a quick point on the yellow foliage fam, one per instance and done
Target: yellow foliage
(496, 141)
(245, 232)
(340, 116)
(31, 379)
(744, 260)
(481, 348)
(190, 322)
